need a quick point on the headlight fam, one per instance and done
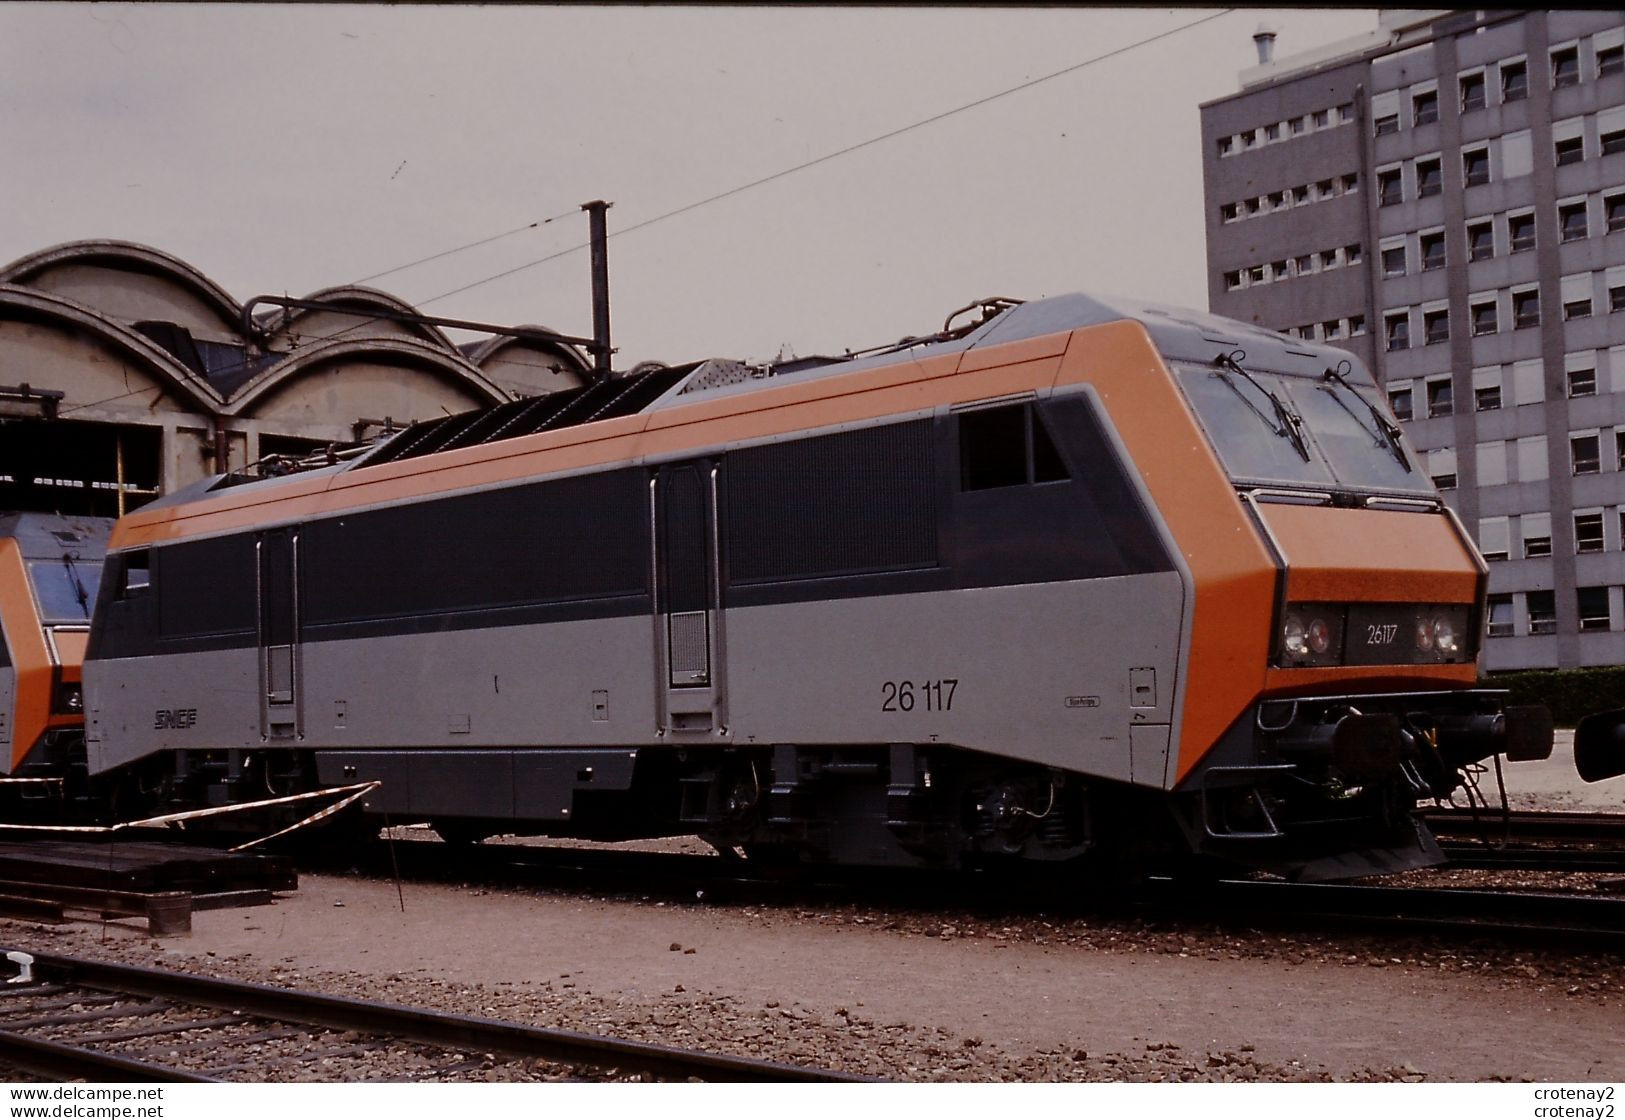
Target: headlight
(1444, 637)
(69, 700)
(1293, 638)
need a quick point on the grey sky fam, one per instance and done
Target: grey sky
(284, 149)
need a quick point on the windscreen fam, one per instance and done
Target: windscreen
(65, 589)
(1285, 430)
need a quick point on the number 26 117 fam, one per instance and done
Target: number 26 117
(931, 696)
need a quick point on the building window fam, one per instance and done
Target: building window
(1582, 382)
(1331, 328)
(1351, 183)
(1593, 604)
(1571, 220)
(1357, 323)
(1307, 333)
(1277, 201)
(1351, 254)
(1584, 454)
(1400, 401)
(1390, 192)
(1393, 261)
(1441, 397)
(1487, 398)
(1278, 269)
(1514, 81)
(1472, 92)
(1542, 611)
(1436, 326)
(1484, 318)
(1299, 125)
(1610, 60)
(1232, 281)
(1521, 231)
(1329, 259)
(1300, 195)
(1249, 138)
(1397, 329)
(1480, 241)
(1425, 108)
(1499, 616)
(1571, 150)
(1226, 145)
(1272, 132)
(1227, 212)
(1387, 124)
(1566, 67)
(1429, 179)
(1588, 532)
(1613, 209)
(1306, 265)
(1535, 547)
(1616, 298)
(1432, 245)
(1619, 451)
(1577, 309)
(1323, 118)
(1345, 112)
(1475, 167)
(1255, 274)
(1613, 142)
(1526, 309)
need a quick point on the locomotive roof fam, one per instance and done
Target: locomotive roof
(1178, 335)
(46, 536)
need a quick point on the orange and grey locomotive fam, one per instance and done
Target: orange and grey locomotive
(1082, 579)
(50, 569)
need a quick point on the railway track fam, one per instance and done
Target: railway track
(1568, 920)
(1532, 841)
(1520, 915)
(108, 1022)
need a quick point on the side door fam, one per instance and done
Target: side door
(278, 562)
(688, 618)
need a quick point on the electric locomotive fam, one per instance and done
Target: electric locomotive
(50, 571)
(1081, 580)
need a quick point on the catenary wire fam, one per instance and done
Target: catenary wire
(827, 157)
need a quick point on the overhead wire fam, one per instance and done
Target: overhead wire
(754, 183)
(848, 150)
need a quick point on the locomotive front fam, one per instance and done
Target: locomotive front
(1338, 606)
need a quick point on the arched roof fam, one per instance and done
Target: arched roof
(482, 351)
(127, 256)
(18, 302)
(398, 351)
(281, 321)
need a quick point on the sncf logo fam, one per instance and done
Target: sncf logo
(173, 718)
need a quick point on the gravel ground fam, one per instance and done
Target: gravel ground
(1085, 999)
(937, 994)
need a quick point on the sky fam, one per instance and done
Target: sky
(284, 149)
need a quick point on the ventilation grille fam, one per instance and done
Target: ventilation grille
(690, 648)
(602, 401)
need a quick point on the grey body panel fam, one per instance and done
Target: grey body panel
(1045, 674)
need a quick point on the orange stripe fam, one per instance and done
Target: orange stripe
(1234, 574)
(30, 656)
